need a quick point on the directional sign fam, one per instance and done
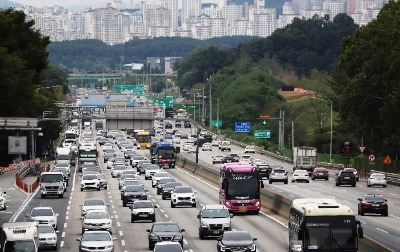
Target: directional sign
(362, 148)
(262, 134)
(123, 87)
(216, 123)
(161, 102)
(371, 158)
(387, 160)
(242, 126)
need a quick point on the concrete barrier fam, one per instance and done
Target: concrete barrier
(270, 201)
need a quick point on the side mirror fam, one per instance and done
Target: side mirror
(57, 231)
(254, 239)
(131, 206)
(155, 206)
(182, 230)
(198, 216)
(231, 215)
(82, 218)
(57, 214)
(4, 193)
(27, 215)
(219, 239)
(78, 239)
(359, 199)
(148, 230)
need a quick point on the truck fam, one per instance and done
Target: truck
(64, 155)
(70, 136)
(304, 158)
(52, 184)
(19, 236)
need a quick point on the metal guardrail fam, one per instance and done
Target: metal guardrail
(391, 178)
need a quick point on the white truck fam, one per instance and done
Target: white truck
(19, 236)
(52, 184)
(70, 136)
(304, 158)
(64, 155)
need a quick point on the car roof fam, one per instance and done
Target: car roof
(214, 206)
(49, 207)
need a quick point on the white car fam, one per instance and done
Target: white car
(246, 159)
(157, 176)
(300, 175)
(143, 210)
(218, 159)
(47, 236)
(215, 143)
(96, 241)
(376, 179)
(90, 181)
(117, 171)
(123, 177)
(3, 200)
(183, 195)
(150, 170)
(206, 147)
(258, 161)
(192, 149)
(107, 146)
(176, 140)
(249, 149)
(96, 220)
(187, 145)
(93, 204)
(43, 215)
(278, 175)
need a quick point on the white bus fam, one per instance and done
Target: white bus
(317, 224)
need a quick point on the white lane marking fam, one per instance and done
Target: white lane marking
(184, 241)
(116, 217)
(162, 210)
(118, 224)
(121, 233)
(166, 215)
(63, 234)
(123, 243)
(61, 244)
(382, 230)
(65, 225)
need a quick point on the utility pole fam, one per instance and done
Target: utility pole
(280, 130)
(210, 124)
(292, 135)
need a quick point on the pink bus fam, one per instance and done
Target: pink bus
(239, 187)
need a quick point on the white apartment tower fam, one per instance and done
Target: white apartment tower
(334, 7)
(259, 4)
(190, 9)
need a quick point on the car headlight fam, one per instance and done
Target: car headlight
(109, 246)
(228, 224)
(151, 212)
(85, 247)
(177, 238)
(253, 247)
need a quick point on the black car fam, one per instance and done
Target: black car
(187, 125)
(161, 184)
(320, 173)
(143, 210)
(132, 193)
(168, 188)
(229, 159)
(373, 203)
(168, 125)
(236, 241)
(345, 178)
(178, 124)
(264, 170)
(165, 231)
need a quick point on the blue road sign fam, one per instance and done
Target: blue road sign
(242, 126)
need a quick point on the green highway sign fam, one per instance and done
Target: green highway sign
(123, 87)
(262, 134)
(161, 102)
(216, 123)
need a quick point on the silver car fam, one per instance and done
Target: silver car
(96, 220)
(47, 236)
(96, 241)
(378, 179)
(44, 215)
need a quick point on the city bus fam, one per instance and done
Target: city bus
(153, 153)
(143, 139)
(239, 187)
(317, 224)
(165, 155)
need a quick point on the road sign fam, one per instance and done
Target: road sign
(264, 116)
(371, 158)
(387, 160)
(242, 126)
(161, 102)
(216, 123)
(262, 134)
(124, 87)
(362, 148)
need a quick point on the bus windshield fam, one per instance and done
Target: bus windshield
(143, 139)
(242, 186)
(166, 153)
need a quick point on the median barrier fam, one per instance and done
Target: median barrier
(270, 200)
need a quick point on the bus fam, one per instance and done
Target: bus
(143, 139)
(239, 187)
(87, 152)
(165, 155)
(317, 224)
(153, 152)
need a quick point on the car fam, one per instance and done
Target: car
(249, 149)
(353, 170)
(264, 170)
(278, 175)
(192, 149)
(176, 140)
(47, 236)
(373, 203)
(214, 220)
(140, 167)
(345, 178)
(161, 183)
(215, 143)
(164, 231)
(300, 175)
(236, 241)
(246, 159)
(93, 204)
(66, 166)
(90, 181)
(65, 175)
(187, 145)
(168, 188)
(235, 157)
(125, 176)
(129, 153)
(107, 146)
(43, 215)
(168, 125)
(157, 176)
(228, 159)
(225, 145)
(135, 160)
(217, 159)
(184, 136)
(168, 246)
(108, 154)
(206, 147)
(102, 181)
(96, 241)
(117, 170)
(376, 179)
(96, 220)
(132, 193)
(258, 161)
(183, 195)
(128, 182)
(143, 210)
(320, 173)
(150, 170)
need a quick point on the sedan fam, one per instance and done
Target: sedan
(44, 215)
(376, 179)
(96, 241)
(373, 203)
(320, 173)
(354, 171)
(117, 170)
(96, 220)
(143, 210)
(165, 231)
(47, 236)
(192, 149)
(93, 204)
(132, 193)
(206, 147)
(249, 149)
(300, 175)
(236, 241)
(217, 159)
(258, 161)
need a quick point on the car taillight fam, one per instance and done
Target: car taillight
(326, 173)
(286, 173)
(371, 178)
(384, 205)
(366, 204)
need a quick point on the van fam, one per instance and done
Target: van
(214, 220)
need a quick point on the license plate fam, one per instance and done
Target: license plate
(320, 173)
(375, 205)
(142, 215)
(242, 208)
(215, 231)
(346, 177)
(378, 179)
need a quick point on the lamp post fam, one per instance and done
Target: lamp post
(330, 146)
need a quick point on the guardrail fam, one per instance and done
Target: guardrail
(270, 200)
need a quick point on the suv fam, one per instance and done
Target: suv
(161, 184)
(345, 178)
(278, 175)
(90, 181)
(225, 145)
(264, 170)
(143, 210)
(165, 231)
(373, 203)
(183, 195)
(214, 220)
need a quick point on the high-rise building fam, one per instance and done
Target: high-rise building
(190, 9)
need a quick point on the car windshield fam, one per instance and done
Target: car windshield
(160, 174)
(172, 185)
(42, 212)
(236, 236)
(119, 168)
(279, 171)
(103, 236)
(97, 215)
(131, 182)
(319, 170)
(182, 189)
(374, 198)
(300, 172)
(166, 228)
(215, 213)
(377, 175)
(89, 177)
(45, 229)
(134, 188)
(142, 204)
(95, 202)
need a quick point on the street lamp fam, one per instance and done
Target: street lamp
(330, 146)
